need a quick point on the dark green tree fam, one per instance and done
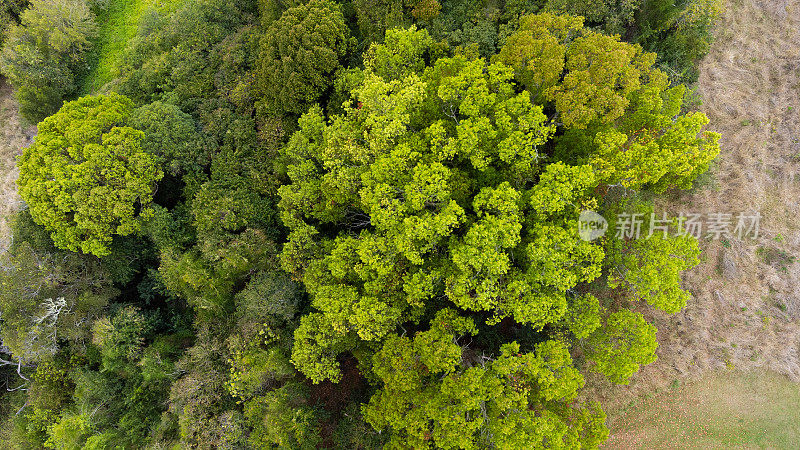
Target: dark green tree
(42, 56)
(612, 16)
(299, 54)
(182, 58)
(173, 136)
(680, 32)
(10, 11)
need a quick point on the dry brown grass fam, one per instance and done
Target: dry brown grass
(13, 138)
(750, 86)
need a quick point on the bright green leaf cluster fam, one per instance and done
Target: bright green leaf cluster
(433, 396)
(86, 177)
(625, 342)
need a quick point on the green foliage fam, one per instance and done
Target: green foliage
(224, 209)
(282, 418)
(591, 78)
(102, 441)
(655, 146)
(601, 73)
(463, 209)
(70, 432)
(25, 230)
(353, 431)
(271, 10)
(680, 32)
(252, 366)
(51, 387)
(376, 17)
(49, 392)
(465, 23)
(650, 269)
(120, 337)
(430, 189)
(130, 389)
(430, 395)
(407, 193)
(269, 294)
(180, 58)
(622, 345)
(261, 377)
(143, 403)
(635, 134)
(173, 136)
(402, 54)
(11, 9)
(199, 398)
(537, 50)
(299, 54)
(86, 176)
(259, 344)
(118, 22)
(209, 282)
(424, 10)
(613, 16)
(583, 315)
(9, 15)
(34, 426)
(47, 297)
(94, 389)
(43, 54)
(170, 229)
(222, 230)
(188, 276)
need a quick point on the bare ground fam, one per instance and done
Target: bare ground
(13, 138)
(745, 306)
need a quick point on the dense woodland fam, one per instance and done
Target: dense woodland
(340, 224)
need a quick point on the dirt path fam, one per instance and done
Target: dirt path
(12, 139)
(745, 310)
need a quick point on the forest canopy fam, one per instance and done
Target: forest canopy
(335, 224)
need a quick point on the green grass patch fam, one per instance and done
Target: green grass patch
(721, 410)
(779, 259)
(117, 25)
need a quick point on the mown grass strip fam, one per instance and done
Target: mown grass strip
(117, 24)
(720, 410)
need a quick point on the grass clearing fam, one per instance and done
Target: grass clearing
(117, 25)
(755, 409)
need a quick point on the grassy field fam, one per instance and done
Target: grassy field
(720, 410)
(117, 25)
